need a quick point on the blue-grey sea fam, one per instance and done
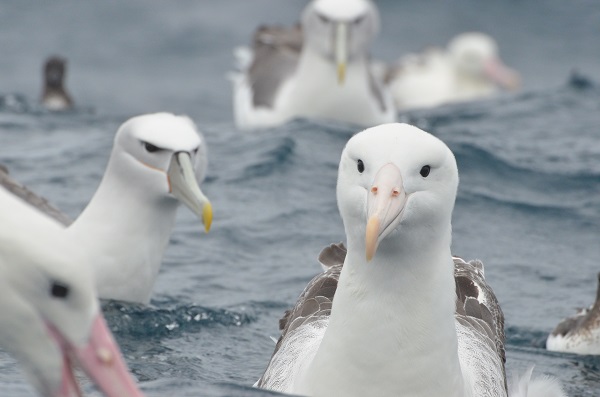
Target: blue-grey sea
(528, 202)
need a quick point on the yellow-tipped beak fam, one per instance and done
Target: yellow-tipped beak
(341, 51)
(182, 180)
(341, 73)
(207, 215)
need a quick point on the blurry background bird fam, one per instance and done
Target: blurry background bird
(319, 69)
(469, 68)
(54, 94)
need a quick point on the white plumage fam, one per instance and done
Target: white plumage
(320, 69)
(156, 163)
(406, 318)
(468, 69)
(51, 319)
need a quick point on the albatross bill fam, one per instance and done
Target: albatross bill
(51, 320)
(157, 162)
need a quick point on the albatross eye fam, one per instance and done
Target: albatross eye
(150, 148)
(59, 290)
(360, 166)
(358, 20)
(425, 171)
(323, 18)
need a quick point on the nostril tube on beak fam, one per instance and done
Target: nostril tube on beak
(374, 190)
(395, 192)
(104, 355)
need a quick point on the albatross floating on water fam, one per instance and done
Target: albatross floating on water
(320, 69)
(157, 162)
(580, 333)
(51, 318)
(406, 319)
(468, 69)
(54, 94)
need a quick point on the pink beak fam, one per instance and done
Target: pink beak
(385, 204)
(502, 75)
(101, 360)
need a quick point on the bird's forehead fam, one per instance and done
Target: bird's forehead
(342, 10)
(400, 144)
(166, 131)
(474, 43)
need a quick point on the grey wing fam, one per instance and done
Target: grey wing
(302, 327)
(276, 52)
(584, 321)
(333, 255)
(31, 198)
(480, 328)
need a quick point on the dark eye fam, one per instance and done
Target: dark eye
(59, 290)
(151, 148)
(360, 166)
(358, 20)
(425, 171)
(323, 19)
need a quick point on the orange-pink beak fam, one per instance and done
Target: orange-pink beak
(385, 203)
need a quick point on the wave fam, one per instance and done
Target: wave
(486, 175)
(272, 160)
(525, 337)
(134, 320)
(20, 104)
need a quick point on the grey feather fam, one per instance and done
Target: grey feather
(583, 321)
(313, 304)
(477, 308)
(276, 52)
(32, 198)
(332, 255)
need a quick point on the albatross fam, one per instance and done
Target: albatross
(396, 315)
(580, 333)
(157, 162)
(320, 69)
(51, 320)
(54, 94)
(468, 69)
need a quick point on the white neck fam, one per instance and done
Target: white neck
(314, 92)
(468, 86)
(391, 330)
(125, 235)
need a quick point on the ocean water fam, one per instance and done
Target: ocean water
(528, 202)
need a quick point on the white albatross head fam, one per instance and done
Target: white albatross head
(395, 183)
(50, 315)
(340, 30)
(164, 157)
(475, 55)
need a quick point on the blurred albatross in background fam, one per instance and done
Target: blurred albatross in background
(580, 333)
(468, 69)
(54, 94)
(320, 69)
(157, 162)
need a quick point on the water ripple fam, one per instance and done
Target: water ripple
(134, 320)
